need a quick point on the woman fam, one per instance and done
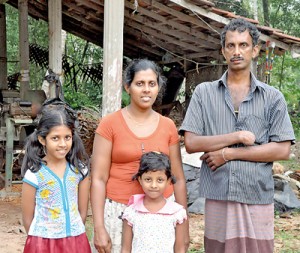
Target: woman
(121, 138)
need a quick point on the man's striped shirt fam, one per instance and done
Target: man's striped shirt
(263, 112)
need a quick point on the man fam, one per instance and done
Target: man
(242, 126)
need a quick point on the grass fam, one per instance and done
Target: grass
(196, 250)
(89, 228)
(287, 236)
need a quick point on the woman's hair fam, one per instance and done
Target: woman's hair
(54, 113)
(155, 161)
(240, 25)
(142, 64)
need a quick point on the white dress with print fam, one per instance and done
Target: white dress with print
(153, 232)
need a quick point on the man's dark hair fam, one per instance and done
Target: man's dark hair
(240, 25)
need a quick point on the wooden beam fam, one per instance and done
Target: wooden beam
(178, 35)
(173, 24)
(143, 43)
(161, 35)
(207, 53)
(81, 18)
(155, 41)
(278, 43)
(91, 5)
(55, 41)
(220, 19)
(201, 11)
(23, 47)
(143, 46)
(181, 16)
(192, 57)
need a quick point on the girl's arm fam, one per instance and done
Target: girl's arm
(83, 197)
(180, 186)
(100, 164)
(127, 236)
(28, 205)
(180, 246)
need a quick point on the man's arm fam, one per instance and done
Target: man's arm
(269, 152)
(197, 143)
(217, 152)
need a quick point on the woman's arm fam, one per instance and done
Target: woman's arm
(127, 236)
(177, 171)
(180, 185)
(28, 205)
(100, 167)
(83, 197)
(180, 246)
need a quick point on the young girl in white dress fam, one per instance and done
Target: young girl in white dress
(152, 223)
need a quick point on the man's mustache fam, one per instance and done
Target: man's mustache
(236, 58)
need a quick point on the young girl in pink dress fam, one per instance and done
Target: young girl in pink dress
(56, 184)
(152, 223)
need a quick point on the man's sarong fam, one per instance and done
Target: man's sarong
(232, 227)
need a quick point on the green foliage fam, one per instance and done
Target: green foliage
(125, 98)
(286, 77)
(79, 90)
(196, 251)
(34, 27)
(285, 15)
(84, 91)
(79, 99)
(12, 39)
(238, 7)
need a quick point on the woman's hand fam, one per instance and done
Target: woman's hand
(102, 241)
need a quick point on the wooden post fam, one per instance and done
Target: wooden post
(3, 49)
(23, 47)
(55, 41)
(112, 55)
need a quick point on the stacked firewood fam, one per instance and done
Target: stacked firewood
(88, 122)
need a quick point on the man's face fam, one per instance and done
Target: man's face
(239, 50)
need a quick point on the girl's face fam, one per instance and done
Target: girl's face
(58, 143)
(154, 183)
(143, 89)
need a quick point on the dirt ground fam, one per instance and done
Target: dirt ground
(13, 236)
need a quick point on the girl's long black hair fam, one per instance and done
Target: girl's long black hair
(54, 112)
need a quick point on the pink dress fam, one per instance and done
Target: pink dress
(153, 232)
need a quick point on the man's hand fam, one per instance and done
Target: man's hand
(213, 159)
(246, 137)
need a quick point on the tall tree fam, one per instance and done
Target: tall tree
(265, 4)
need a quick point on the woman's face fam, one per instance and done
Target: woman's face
(144, 89)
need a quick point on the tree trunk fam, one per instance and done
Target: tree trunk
(255, 11)
(266, 12)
